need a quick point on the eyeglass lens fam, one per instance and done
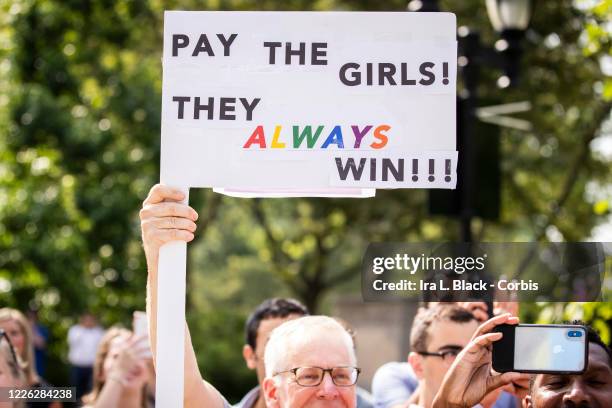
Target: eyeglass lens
(313, 376)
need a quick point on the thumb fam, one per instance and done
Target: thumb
(499, 380)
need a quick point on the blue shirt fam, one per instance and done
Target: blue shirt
(394, 383)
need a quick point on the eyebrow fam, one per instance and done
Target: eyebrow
(451, 347)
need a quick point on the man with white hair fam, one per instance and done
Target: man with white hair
(298, 356)
(310, 361)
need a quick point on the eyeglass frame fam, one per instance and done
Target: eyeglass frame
(11, 347)
(324, 370)
(451, 351)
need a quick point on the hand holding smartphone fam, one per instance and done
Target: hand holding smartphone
(536, 348)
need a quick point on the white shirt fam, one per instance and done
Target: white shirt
(83, 344)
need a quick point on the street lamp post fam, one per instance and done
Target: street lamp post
(510, 19)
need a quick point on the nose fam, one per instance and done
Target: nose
(327, 389)
(577, 395)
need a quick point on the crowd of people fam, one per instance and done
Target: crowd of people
(299, 360)
(311, 360)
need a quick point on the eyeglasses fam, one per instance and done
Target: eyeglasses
(448, 355)
(3, 334)
(313, 376)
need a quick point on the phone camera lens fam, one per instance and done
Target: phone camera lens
(574, 333)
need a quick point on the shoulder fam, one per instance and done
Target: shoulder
(395, 372)
(393, 384)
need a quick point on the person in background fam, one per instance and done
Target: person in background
(17, 328)
(121, 371)
(270, 314)
(395, 384)
(266, 317)
(11, 372)
(470, 377)
(593, 388)
(438, 334)
(40, 337)
(83, 340)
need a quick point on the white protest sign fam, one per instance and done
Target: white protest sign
(284, 104)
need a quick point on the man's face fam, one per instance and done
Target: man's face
(88, 320)
(326, 350)
(593, 389)
(443, 335)
(255, 358)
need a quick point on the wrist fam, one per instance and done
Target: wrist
(441, 402)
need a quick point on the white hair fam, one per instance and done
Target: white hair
(298, 332)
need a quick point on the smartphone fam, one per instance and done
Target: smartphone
(140, 326)
(541, 348)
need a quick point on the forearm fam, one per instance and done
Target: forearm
(151, 306)
(198, 393)
(110, 395)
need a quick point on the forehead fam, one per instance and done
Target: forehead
(321, 349)
(9, 325)
(446, 332)
(598, 356)
(267, 325)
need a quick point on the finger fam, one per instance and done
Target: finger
(490, 324)
(511, 307)
(482, 342)
(480, 315)
(141, 343)
(160, 192)
(137, 339)
(478, 309)
(169, 235)
(174, 223)
(168, 210)
(496, 381)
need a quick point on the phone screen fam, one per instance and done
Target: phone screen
(548, 348)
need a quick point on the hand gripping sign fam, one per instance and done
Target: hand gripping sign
(293, 104)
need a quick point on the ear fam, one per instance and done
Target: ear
(526, 402)
(416, 361)
(270, 392)
(249, 356)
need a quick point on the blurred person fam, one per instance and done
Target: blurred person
(11, 371)
(593, 388)
(17, 328)
(395, 384)
(438, 334)
(83, 340)
(266, 317)
(40, 337)
(121, 372)
(470, 376)
(309, 361)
